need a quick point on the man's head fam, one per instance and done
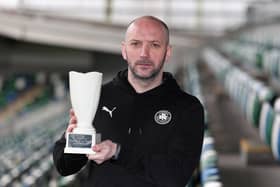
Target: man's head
(146, 47)
(152, 18)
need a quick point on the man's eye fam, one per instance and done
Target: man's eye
(134, 43)
(155, 45)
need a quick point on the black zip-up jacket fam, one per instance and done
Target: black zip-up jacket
(160, 133)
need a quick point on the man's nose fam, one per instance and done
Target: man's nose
(145, 51)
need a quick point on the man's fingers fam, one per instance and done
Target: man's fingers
(73, 120)
(71, 112)
(71, 127)
(97, 148)
(103, 151)
(99, 158)
(72, 116)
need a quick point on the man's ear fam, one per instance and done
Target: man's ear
(123, 51)
(168, 53)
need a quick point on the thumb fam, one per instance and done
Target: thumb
(96, 148)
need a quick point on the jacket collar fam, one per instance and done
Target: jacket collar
(168, 84)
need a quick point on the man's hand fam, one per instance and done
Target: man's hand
(72, 122)
(103, 151)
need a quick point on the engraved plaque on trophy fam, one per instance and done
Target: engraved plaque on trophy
(85, 91)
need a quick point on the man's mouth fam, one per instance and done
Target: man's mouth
(144, 64)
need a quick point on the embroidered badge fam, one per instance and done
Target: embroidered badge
(163, 117)
(109, 111)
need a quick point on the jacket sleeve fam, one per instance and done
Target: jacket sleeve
(175, 168)
(67, 164)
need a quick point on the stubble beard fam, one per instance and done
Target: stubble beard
(152, 75)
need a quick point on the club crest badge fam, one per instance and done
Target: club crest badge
(163, 117)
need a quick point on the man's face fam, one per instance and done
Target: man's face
(145, 49)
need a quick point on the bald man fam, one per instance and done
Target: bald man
(152, 131)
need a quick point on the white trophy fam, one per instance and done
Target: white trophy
(85, 91)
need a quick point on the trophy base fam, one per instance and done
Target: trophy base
(81, 141)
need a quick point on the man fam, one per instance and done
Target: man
(152, 131)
